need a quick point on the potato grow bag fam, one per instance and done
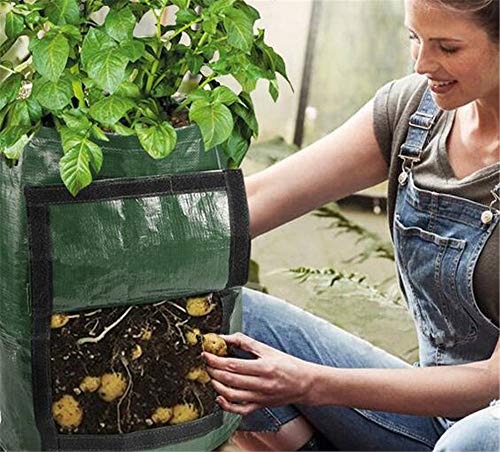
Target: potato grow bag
(107, 298)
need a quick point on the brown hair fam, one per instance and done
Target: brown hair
(483, 12)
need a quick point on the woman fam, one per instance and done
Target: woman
(435, 135)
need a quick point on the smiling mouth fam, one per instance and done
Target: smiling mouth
(437, 84)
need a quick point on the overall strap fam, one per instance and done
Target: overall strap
(421, 123)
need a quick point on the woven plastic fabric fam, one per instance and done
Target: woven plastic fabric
(145, 230)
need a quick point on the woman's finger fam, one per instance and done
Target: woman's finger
(233, 394)
(246, 343)
(238, 381)
(235, 365)
(237, 408)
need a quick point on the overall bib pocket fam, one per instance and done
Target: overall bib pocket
(430, 268)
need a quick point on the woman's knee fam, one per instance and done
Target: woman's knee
(264, 317)
(479, 431)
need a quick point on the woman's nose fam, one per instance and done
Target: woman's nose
(425, 62)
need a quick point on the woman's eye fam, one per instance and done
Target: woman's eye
(413, 38)
(448, 49)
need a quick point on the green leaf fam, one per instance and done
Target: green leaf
(95, 41)
(14, 25)
(133, 49)
(182, 4)
(248, 83)
(9, 89)
(209, 24)
(185, 16)
(71, 138)
(224, 95)
(248, 116)
(236, 146)
(107, 68)
(215, 121)
(76, 120)
(111, 109)
(34, 110)
(239, 29)
(200, 94)
(54, 95)
(158, 141)
(98, 133)
(14, 152)
(25, 113)
(62, 12)
(219, 6)
(274, 89)
(32, 18)
(194, 62)
(72, 32)
(120, 129)
(10, 136)
(249, 11)
(50, 55)
(274, 61)
(120, 24)
(74, 168)
(95, 154)
(128, 89)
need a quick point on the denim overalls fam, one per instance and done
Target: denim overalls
(438, 239)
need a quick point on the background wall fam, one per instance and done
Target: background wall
(361, 44)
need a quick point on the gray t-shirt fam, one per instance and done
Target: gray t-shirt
(394, 104)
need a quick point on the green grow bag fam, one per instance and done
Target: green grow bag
(146, 232)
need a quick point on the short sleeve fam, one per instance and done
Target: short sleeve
(393, 105)
(381, 120)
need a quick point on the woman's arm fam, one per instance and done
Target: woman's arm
(343, 162)
(275, 378)
(450, 391)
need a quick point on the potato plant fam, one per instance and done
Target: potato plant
(88, 69)
(118, 370)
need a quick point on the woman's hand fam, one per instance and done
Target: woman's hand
(273, 378)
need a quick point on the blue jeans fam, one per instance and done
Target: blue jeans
(294, 331)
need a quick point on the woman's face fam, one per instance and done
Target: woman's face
(454, 53)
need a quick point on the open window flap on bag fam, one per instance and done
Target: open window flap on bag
(145, 230)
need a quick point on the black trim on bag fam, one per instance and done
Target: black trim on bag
(228, 299)
(38, 201)
(134, 441)
(240, 234)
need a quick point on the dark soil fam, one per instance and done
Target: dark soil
(157, 378)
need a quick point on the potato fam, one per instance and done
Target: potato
(136, 352)
(203, 377)
(199, 306)
(67, 412)
(213, 343)
(162, 415)
(112, 386)
(192, 336)
(184, 412)
(90, 384)
(198, 374)
(58, 320)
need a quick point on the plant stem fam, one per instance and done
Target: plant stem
(7, 69)
(156, 63)
(202, 40)
(183, 104)
(185, 27)
(207, 81)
